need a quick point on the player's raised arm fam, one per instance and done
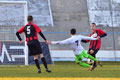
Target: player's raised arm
(61, 42)
(88, 38)
(86, 41)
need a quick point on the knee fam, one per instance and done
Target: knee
(79, 63)
(35, 57)
(41, 56)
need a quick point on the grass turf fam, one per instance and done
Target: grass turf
(63, 69)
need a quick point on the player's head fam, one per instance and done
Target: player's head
(73, 31)
(93, 26)
(30, 19)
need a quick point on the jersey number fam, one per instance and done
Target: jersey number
(77, 42)
(28, 29)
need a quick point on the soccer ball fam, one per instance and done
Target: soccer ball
(89, 61)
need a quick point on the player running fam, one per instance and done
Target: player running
(31, 31)
(95, 45)
(75, 42)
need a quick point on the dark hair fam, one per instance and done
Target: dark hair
(30, 18)
(94, 23)
(73, 31)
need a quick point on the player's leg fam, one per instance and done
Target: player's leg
(44, 62)
(93, 53)
(33, 52)
(84, 53)
(78, 60)
(37, 63)
(39, 52)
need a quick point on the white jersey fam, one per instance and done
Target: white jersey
(75, 42)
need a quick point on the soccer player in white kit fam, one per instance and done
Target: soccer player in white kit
(75, 42)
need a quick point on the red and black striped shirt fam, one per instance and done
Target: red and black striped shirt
(31, 31)
(95, 44)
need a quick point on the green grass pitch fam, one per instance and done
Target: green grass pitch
(63, 69)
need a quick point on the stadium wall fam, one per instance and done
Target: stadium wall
(68, 55)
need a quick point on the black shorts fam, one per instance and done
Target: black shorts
(95, 52)
(34, 47)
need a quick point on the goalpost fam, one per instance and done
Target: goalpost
(13, 16)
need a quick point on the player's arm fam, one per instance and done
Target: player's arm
(61, 42)
(102, 33)
(40, 32)
(88, 38)
(105, 34)
(85, 41)
(18, 34)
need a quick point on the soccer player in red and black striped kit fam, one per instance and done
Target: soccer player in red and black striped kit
(95, 45)
(31, 31)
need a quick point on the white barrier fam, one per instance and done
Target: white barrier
(102, 55)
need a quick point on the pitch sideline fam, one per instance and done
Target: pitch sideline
(59, 78)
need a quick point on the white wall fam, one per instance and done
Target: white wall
(68, 55)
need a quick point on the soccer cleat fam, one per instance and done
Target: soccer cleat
(99, 63)
(39, 71)
(91, 67)
(47, 70)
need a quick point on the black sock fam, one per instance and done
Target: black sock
(37, 63)
(44, 62)
(95, 64)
